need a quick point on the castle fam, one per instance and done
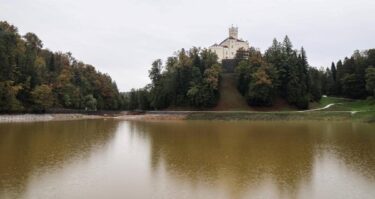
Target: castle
(228, 48)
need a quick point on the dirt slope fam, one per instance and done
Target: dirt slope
(230, 98)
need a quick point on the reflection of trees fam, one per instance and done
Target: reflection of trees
(243, 153)
(240, 153)
(353, 143)
(26, 148)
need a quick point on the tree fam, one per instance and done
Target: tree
(8, 97)
(155, 71)
(143, 99)
(191, 78)
(370, 80)
(133, 100)
(334, 71)
(243, 73)
(261, 91)
(339, 76)
(42, 97)
(352, 86)
(90, 102)
(316, 78)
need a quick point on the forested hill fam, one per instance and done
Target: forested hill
(33, 78)
(191, 80)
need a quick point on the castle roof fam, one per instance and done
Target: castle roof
(217, 45)
(238, 40)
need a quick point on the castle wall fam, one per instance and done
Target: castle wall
(229, 47)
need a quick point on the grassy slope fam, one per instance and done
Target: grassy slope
(230, 98)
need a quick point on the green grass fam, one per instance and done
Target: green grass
(286, 116)
(368, 116)
(342, 104)
(343, 110)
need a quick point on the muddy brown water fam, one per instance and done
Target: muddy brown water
(187, 159)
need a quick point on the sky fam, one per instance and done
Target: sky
(123, 37)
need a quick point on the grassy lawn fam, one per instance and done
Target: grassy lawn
(341, 111)
(342, 104)
(368, 116)
(283, 116)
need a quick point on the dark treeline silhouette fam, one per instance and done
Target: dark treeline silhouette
(189, 79)
(35, 79)
(353, 78)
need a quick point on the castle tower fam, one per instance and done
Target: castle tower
(233, 32)
(228, 48)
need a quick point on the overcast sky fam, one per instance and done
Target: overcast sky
(123, 37)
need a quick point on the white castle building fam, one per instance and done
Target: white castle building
(228, 48)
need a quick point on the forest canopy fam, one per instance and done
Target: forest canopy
(353, 77)
(33, 78)
(189, 79)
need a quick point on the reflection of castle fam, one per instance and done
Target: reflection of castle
(228, 48)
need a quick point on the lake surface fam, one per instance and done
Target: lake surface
(187, 159)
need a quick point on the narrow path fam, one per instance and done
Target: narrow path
(318, 109)
(252, 111)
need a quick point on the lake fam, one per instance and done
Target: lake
(187, 159)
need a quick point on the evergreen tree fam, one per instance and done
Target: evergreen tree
(370, 80)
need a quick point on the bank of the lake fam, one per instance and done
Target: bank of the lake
(328, 109)
(365, 116)
(286, 116)
(45, 117)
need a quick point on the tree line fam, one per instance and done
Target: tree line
(284, 72)
(188, 79)
(192, 78)
(33, 78)
(354, 77)
(280, 72)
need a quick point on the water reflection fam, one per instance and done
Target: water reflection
(187, 159)
(242, 155)
(29, 149)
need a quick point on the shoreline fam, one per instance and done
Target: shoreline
(20, 118)
(364, 116)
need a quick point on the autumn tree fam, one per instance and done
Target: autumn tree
(42, 97)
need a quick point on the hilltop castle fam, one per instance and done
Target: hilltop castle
(228, 48)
